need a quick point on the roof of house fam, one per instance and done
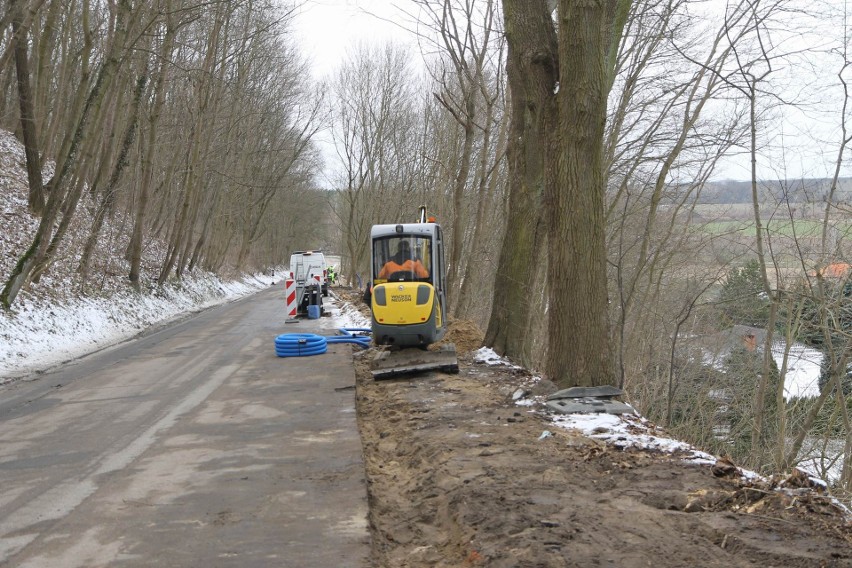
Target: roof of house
(833, 270)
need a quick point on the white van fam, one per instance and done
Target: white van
(306, 265)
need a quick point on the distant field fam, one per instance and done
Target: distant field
(739, 218)
(725, 211)
(803, 228)
(745, 211)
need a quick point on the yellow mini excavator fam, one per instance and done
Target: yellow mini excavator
(409, 298)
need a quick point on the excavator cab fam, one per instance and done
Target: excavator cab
(409, 297)
(402, 258)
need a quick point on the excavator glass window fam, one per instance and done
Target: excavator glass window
(402, 258)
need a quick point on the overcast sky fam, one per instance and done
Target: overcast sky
(803, 138)
(327, 28)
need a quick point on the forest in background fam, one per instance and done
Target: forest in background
(190, 125)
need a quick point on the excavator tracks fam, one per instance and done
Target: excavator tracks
(393, 363)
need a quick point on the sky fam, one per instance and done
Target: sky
(797, 141)
(328, 28)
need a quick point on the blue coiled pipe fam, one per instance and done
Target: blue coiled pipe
(300, 345)
(305, 344)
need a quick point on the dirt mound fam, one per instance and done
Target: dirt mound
(460, 476)
(465, 334)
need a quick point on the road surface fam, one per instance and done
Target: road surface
(192, 446)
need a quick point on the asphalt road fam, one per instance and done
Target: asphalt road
(192, 446)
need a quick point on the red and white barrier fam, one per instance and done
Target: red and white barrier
(290, 295)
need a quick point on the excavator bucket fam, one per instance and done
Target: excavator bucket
(388, 364)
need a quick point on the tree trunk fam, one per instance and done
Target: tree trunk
(531, 70)
(29, 128)
(67, 111)
(35, 255)
(80, 153)
(580, 352)
(205, 232)
(486, 175)
(177, 228)
(147, 175)
(109, 193)
(196, 164)
(45, 47)
(454, 272)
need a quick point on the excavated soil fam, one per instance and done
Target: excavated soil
(458, 476)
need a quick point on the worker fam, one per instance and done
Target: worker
(403, 261)
(332, 276)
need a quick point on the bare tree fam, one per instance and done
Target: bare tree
(29, 128)
(658, 132)
(146, 178)
(465, 30)
(532, 73)
(36, 258)
(374, 116)
(84, 66)
(578, 325)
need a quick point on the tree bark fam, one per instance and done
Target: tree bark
(121, 163)
(580, 352)
(146, 179)
(532, 72)
(29, 128)
(44, 48)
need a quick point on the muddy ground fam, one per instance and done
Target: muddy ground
(457, 476)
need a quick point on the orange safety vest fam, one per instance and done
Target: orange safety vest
(414, 266)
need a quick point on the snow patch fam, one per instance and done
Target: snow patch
(37, 336)
(488, 356)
